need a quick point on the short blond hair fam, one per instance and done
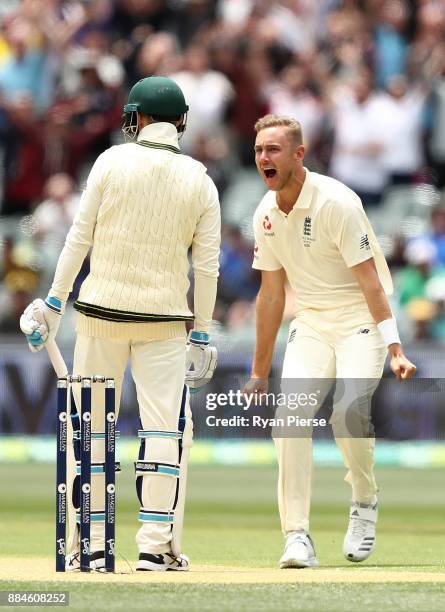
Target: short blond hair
(292, 126)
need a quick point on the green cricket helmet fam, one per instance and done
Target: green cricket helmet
(157, 96)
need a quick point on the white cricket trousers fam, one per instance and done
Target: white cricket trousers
(158, 370)
(342, 343)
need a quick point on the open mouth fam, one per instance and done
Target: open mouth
(270, 172)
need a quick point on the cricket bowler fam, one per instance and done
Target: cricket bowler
(312, 230)
(144, 206)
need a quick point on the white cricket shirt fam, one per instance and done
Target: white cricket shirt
(324, 235)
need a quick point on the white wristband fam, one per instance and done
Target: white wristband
(389, 332)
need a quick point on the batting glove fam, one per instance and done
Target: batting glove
(200, 360)
(40, 321)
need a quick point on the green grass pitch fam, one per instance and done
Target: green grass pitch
(232, 523)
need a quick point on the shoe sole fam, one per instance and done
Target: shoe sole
(153, 567)
(100, 568)
(164, 569)
(353, 559)
(297, 564)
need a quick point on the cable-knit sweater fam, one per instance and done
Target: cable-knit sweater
(144, 206)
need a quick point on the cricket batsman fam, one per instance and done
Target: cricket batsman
(144, 206)
(312, 230)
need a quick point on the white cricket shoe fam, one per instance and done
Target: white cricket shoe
(72, 562)
(299, 551)
(97, 561)
(165, 562)
(359, 540)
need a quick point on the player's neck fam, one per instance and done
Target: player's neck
(288, 196)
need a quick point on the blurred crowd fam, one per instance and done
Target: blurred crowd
(365, 78)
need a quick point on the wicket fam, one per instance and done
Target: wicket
(86, 469)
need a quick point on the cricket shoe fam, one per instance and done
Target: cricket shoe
(359, 540)
(299, 551)
(166, 562)
(72, 562)
(97, 561)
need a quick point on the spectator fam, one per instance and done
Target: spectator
(159, 54)
(213, 152)
(346, 47)
(129, 15)
(58, 21)
(288, 24)
(402, 116)
(423, 314)
(24, 145)
(436, 236)
(19, 282)
(235, 13)
(97, 18)
(27, 71)
(420, 255)
(432, 242)
(435, 291)
(237, 279)
(208, 94)
(294, 98)
(94, 51)
(93, 112)
(54, 216)
(192, 18)
(437, 132)
(391, 43)
(359, 140)
(250, 75)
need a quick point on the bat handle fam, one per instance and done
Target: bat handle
(56, 359)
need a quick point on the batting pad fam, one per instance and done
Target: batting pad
(157, 470)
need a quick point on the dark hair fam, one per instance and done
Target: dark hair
(166, 119)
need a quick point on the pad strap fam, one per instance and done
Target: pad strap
(174, 435)
(95, 517)
(143, 467)
(155, 516)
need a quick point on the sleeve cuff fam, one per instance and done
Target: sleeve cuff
(55, 304)
(199, 337)
(355, 262)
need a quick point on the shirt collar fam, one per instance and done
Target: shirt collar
(304, 199)
(159, 133)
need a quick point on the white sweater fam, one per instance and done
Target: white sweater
(143, 207)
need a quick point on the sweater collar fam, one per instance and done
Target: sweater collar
(159, 135)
